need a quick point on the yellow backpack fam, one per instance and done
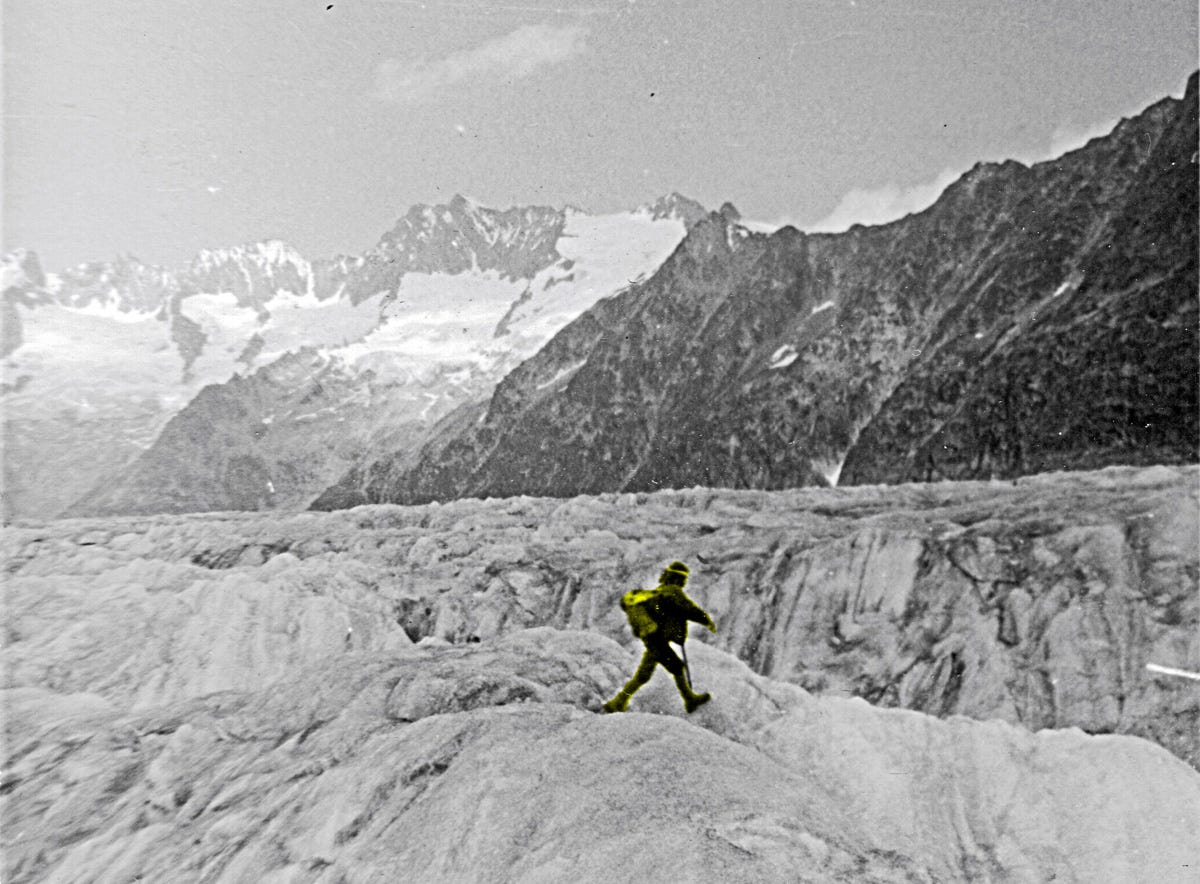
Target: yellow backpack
(637, 605)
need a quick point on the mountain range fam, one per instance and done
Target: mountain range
(477, 352)
(252, 377)
(1033, 319)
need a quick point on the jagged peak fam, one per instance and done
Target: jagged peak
(19, 256)
(432, 222)
(20, 268)
(730, 213)
(674, 205)
(262, 253)
(460, 205)
(717, 231)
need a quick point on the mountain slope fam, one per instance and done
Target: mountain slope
(1122, 325)
(303, 412)
(773, 361)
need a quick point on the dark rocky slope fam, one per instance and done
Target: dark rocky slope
(1101, 372)
(260, 442)
(1032, 319)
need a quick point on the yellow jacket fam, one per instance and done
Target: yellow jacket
(664, 610)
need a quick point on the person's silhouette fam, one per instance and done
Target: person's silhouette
(657, 617)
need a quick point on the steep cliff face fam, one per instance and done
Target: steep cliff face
(516, 242)
(255, 443)
(951, 343)
(1121, 324)
(20, 272)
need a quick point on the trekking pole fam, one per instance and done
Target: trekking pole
(687, 670)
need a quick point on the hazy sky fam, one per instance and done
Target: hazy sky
(159, 127)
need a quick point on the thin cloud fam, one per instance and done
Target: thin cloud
(1068, 138)
(889, 202)
(880, 205)
(512, 56)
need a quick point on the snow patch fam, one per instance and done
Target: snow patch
(783, 357)
(110, 311)
(227, 327)
(828, 305)
(438, 319)
(602, 255)
(305, 321)
(566, 372)
(433, 400)
(759, 226)
(272, 252)
(286, 300)
(830, 469)
(88, 365)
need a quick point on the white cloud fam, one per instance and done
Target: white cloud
(1067, 138)
(888, 202)
(512, 56)
(881, 204)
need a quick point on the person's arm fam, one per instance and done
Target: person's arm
(691, 610)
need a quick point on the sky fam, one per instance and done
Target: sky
(159, 128)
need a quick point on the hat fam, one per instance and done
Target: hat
(676, 572)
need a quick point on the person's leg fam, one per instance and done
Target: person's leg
(674, 665)
(645, 670)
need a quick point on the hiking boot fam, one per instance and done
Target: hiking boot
(695, 701)
(619, 703)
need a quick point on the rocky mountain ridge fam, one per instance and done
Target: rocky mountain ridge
(312, 413)
(410, 692)
(948, 344)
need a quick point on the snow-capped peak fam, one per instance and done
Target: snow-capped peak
(267, 253)
(674, 205)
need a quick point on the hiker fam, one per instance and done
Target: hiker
(658, 616)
